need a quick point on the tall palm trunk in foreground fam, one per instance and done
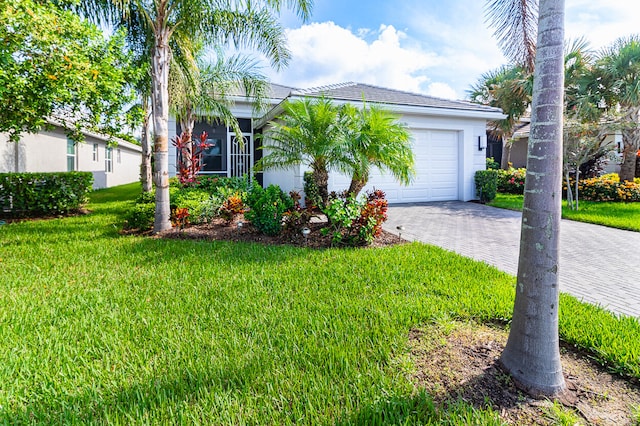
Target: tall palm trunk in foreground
(532, 353)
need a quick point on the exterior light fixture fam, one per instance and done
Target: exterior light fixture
(240, 225)
(482, 143)
(305, 233)
(400, 228)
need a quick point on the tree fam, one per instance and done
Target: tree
(373, 136)
(532, 354)
(509, 88)
(307, 132)
(175, 23)
(620, 65)
(203, 92)
(56, 66)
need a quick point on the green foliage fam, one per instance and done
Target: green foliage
(511, 181)
(374, 137)
(486, 184)
(102, 328)
(492, 164)
(609, 188)
(140, 216)
(311, 193)
(43, 194)
(53, 64)
(267, 208)
(341, 213)
(355, 221)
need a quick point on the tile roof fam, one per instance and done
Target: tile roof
(357, 91)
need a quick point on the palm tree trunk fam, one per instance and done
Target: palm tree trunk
(356, 185)
(145, 142)
(631, 139)
(321, 178)
(532, 354)
(160, 60)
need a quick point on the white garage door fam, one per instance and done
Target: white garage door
(436, 159)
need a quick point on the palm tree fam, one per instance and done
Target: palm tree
(176, 22)
(620, 65)
(532, 354)
(307, 132)
(509, 88)
(204, 92)
(373, 136)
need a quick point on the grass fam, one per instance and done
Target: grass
(96, 327)
(615, 215)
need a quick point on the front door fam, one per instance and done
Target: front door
(240, 155)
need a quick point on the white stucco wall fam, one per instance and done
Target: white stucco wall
(47, 152)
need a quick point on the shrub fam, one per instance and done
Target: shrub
(492, 164)
(297, 218)
(511, 181)
(486, 185)
(195, 200)
(372, 215)
(312, 197)
(140, 216)
(43, 194)
(608, 188)
(232, 207)
(341, 213)
(267, 208)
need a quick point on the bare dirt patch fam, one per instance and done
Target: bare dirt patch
(462, 362)
(220, 230)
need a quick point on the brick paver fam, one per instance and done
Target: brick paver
(598, 264)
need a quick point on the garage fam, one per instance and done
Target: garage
(437, 171)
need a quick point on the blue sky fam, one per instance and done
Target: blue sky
(433, 47)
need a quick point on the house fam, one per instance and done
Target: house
(449, 140)
(516, 152)
(52, 151)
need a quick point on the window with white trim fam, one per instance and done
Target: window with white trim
(119, 156)
(108, 160)
(95, 152)
(71, 155)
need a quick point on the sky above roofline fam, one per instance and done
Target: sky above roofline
(430, 47)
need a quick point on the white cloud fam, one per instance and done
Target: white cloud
(442, 90)
(325, 53)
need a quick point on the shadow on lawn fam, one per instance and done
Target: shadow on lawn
(159, 400)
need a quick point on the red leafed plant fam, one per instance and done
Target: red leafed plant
(181, 217)
(372, 216)
(190, 156)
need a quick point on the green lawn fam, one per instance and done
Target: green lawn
(101, 328)
(615, 215)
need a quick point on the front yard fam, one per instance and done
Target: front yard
(100, 327)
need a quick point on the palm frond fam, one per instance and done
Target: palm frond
(516, 29)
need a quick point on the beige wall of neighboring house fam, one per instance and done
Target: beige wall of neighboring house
(50, 151)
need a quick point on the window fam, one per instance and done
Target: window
(71, 155)
(108, 162)
(119, 156)
(95, 152)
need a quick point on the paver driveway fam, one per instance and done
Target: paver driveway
(597, 264)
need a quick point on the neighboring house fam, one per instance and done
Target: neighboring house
(449, 142)
(52, 151)
(516, 152)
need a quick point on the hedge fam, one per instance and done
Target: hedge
(43, 194)
(486, 185)
(608, 188)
